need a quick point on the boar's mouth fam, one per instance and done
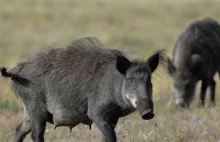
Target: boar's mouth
(147, 115)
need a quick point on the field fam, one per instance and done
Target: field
(138, 27)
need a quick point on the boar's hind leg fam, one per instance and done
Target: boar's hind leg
(212, 93)
(23, 128)
(38, 125)
(202, 93)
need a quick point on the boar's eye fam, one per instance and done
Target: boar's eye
(131, 80)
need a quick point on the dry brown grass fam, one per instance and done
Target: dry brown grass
(136, 26)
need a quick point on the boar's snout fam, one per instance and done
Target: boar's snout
(147, 114)
(146, 109)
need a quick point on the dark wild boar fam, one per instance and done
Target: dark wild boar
(196, 56)
(82, 83)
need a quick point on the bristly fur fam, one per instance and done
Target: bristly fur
(87, 42)
(162, 57)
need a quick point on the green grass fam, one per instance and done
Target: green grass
(135, 26)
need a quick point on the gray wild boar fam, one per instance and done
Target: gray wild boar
(196, 56)
(82, 83)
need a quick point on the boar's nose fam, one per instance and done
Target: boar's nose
(147, 115)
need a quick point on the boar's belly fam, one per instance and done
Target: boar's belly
(68, 119)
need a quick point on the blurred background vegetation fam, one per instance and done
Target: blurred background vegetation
(135, 26)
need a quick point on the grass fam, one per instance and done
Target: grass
(136, 26)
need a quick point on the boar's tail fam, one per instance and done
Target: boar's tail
(5, 73)
(14, 77)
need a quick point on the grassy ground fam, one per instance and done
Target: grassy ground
(136, 26)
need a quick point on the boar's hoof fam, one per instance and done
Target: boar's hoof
(201, 104)
(211, 104)
(180, 105)
(146, 115)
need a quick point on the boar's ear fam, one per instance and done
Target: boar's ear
(122, 64)
(170, 67)
(195, 63)
(153, 61)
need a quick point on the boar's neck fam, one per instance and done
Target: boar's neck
(125, 107)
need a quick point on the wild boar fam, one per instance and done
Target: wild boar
(82, 83)
(196, 56)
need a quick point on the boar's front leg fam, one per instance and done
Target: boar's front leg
(212, 93)
(202, 93)
(108, 133)
(105, 124)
